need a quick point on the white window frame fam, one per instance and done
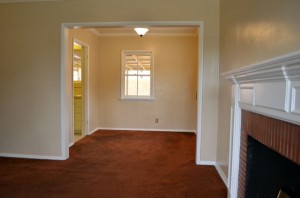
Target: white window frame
(123, 55)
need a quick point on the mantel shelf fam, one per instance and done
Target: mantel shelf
(286, 67)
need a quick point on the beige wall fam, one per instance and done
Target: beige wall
(31, 64)
(29, 81)
(251, 32)
(175, 84)
(91, 40)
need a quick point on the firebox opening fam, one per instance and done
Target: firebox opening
(267, 172)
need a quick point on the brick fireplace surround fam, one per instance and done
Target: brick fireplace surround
(280, 136)
(265, 105)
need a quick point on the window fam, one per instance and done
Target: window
(137, 75)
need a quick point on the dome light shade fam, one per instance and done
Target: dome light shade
(141, 31)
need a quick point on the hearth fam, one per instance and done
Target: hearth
(268, 172)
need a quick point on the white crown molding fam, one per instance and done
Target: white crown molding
(149, 34)
(25, 1)
(278, 68)
(94, 31)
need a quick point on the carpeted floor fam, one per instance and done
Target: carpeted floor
(116, 164)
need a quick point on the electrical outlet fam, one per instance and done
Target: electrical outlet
(156, 120)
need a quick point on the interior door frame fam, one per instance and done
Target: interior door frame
(85, 91)
(65, 85)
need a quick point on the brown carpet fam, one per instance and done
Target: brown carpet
(116, 164)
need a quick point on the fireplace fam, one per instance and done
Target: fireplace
(269, 157)
(265, 109)
(268, 172)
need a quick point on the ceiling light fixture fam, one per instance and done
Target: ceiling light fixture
(141, 31)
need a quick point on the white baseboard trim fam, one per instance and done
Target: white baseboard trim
(44, 157)
(222, 174)
(208, 163)
(150, 130)
(228, 194)
(94, 130)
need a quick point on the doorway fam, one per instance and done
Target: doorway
(66, 122)
(79, 57)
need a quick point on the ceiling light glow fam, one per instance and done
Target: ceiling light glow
(141, 31)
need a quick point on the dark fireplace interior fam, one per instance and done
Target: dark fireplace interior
(268, 172)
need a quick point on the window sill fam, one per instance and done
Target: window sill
(137, 98)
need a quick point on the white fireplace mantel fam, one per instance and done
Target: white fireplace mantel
(270, 88)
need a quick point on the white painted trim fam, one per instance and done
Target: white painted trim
(200, 92)
(235, 134)
(94, 31)
(222, 174)
(288, 95)
(87, 91)
(148, 130)
(275, 69)
(294, 89)
(248, 99)
(134, 24)
(94, 130)
(207, 163)
(142, 129)
(122, 76)
(71, 144)
(273, 113)
(45, 157)
(147, 35)
(65, 125)
(230, 146)
(64, 98)
(147, 99)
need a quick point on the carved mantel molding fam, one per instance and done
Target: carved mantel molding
(271, 87)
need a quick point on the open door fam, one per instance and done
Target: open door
(79, 90)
